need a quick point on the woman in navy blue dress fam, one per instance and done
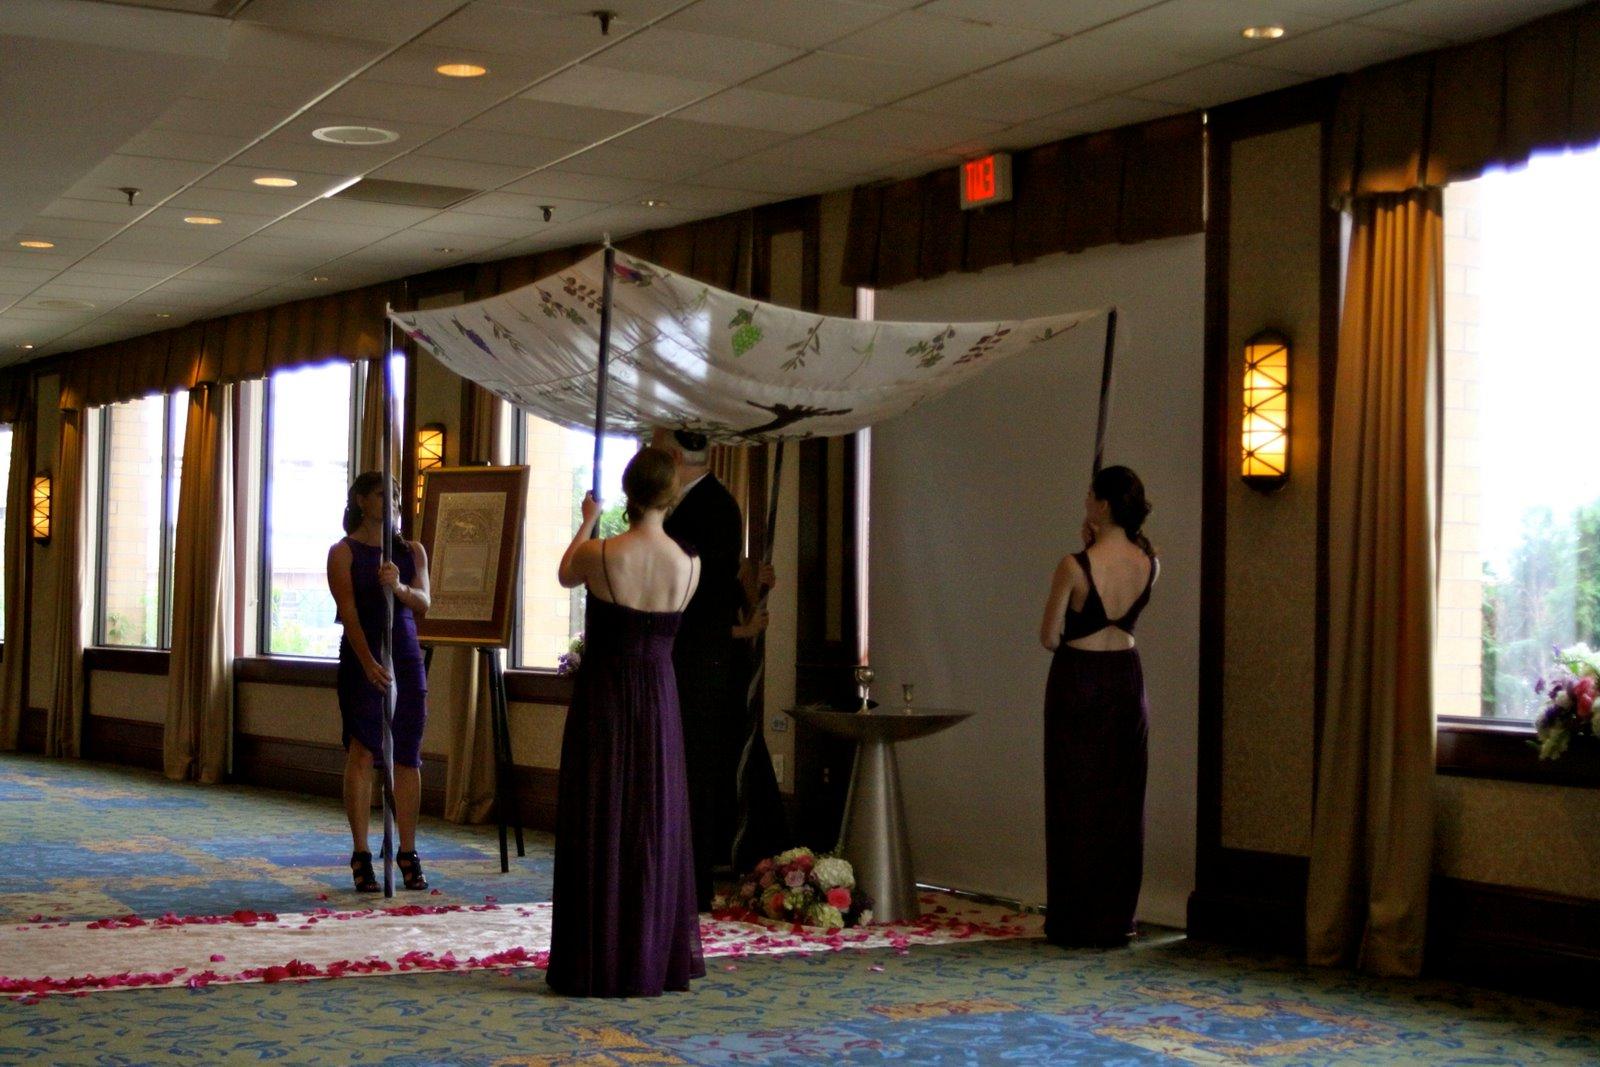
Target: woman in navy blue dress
(357, 577)
(1095, 732)
(624, 922)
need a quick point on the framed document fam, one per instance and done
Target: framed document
(472, 530)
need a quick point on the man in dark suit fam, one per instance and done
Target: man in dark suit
(707, 520)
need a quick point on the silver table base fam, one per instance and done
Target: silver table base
(873, 835)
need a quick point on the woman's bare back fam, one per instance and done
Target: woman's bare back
(645, 570)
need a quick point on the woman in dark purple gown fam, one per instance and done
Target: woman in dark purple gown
(624, 920)
(357, 577)
(1095, 733)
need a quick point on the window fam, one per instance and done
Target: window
(310, 439)
(559, 462)
(140, 458)
(1520, 547)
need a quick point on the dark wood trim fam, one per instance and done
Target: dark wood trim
(127, 742)
(31, 731)
(31, 555)
(804, 215)
(1505, 750)
(1528, 942)
(538, 687)
(315, 767)
(1256, 899)
(1298, 105)
(286, 670)
(150, 661)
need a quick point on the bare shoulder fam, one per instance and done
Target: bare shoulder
(340, 552)
(419, 555)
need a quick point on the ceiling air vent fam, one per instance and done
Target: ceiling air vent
(405, 194)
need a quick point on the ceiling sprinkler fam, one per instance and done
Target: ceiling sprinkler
(605, 18)
(548, 211)
(130, 192)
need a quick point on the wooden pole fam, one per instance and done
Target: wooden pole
(601, 370)
(386, 642)
(1105, 392)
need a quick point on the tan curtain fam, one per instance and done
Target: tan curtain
(731, 465)
(469, 772)
(19, 528)
(200, 681)
(64, 724)
(1372, 835)
(371, 451)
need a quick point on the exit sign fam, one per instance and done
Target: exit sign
(986, 180)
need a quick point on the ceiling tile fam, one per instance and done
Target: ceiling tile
(838, 157)
(242, 179)
(615, 161)
(451, 224)
(1335, 49)
(549, 37)
(571, 185)
(195, 115)
(202, 199)
(385, 101)
(1087, 62)
(708, 199)
(374, 20)
(564, 122)
(295, 52)
(299, 154)
(1461, 20)
(93, 210)
(696, 140)
(631, 14)
(1001, 99)
(920, 131)
(1064, 17)
(1105, 114)
(757, 110)
(1203, 29)
(1217, 84)
(802, 24)
(113, 283)
(620, 90)
(70, 234)
(520, 206)
(364, 213)
(417, 64)
(156, 178)
(460, 173)
(108, 262)
(697, 56)
(850, 78)
(932, 42)
(503, 149)
(181, 144)
(168, 221)
(241, 81)
(345, 233)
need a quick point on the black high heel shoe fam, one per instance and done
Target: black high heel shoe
(361, 871)
(410, 865)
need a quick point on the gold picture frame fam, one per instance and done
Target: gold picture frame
(472, 531)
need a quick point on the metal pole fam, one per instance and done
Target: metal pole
(1105, 391)
(610, 259)
(386, 642)
(755, 713)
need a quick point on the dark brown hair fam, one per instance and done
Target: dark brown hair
(649, 481)
(1120, 488)
(366, 483)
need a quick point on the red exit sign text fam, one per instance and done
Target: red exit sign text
(986, 180)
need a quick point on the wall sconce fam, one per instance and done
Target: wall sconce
(41, 508)
(430, 452)
(1266, 412)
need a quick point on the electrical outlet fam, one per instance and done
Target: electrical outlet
(780, 724)
(778, 766)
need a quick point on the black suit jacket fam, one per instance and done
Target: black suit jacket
(708, 521)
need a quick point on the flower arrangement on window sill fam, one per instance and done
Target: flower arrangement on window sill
(802, 888)
(1569, 692)
(569, 661)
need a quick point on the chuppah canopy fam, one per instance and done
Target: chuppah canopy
(686, 355)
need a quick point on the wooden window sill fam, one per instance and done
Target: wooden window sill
(1501, 749)
(123, 660)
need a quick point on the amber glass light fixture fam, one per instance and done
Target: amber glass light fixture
(41, 508)
(430, 453)
(1266, 411)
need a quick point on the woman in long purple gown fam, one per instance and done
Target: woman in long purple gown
(1095, 731)
(624, 920)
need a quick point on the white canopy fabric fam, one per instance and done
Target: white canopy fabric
(686, 355)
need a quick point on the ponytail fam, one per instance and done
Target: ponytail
(1122, 490)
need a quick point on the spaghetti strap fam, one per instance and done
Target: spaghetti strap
(611, 590)
(688, 590)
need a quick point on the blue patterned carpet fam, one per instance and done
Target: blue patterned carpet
(86, 841)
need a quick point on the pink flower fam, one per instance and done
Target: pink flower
(839, 897)
(217, 957)
(795, 879)
(1583, 694)
(774, 903)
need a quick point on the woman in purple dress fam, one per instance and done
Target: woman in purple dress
(1095, 733)
(357, 577)
(624, 921)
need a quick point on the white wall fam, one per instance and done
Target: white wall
(975, 497)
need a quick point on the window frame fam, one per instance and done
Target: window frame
(167, 539)
(263, 648)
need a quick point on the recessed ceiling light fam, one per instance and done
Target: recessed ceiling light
(1262, 33)
(163, 314)
(25, 347)
(276, 183)
(37, 244)
(319, 277)
(461, 70)
(357, 135)
(447, 250)
(202, 220)
(65, 305)
(652, 202)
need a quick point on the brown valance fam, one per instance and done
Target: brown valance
(1131, 184)
(16, 394)
(1449, 115)
(252, 344)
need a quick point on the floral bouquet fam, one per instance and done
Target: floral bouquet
(1569, 693)
(800, 887)
(569, 661)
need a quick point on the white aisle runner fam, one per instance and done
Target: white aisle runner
(41, 958)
